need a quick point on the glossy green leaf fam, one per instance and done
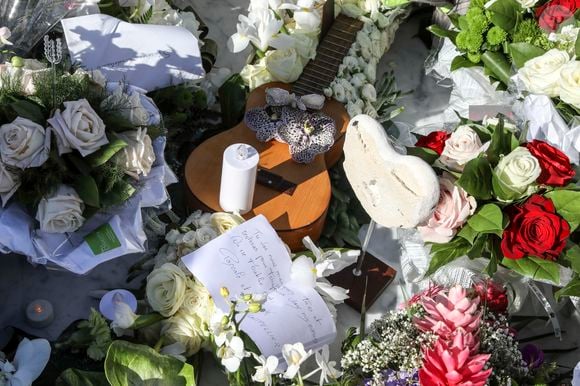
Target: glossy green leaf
(468, 233)
(443, 254)
(232, 95)
(498, 65)
(567, 203)
(572, 289)
(424, 153)
(478, 245)
(504, 13)
(442, 33)
(461, 62)
(129, 364)
(87, 189)
(476, 178)
(535, 268)
(120, 193)
(522, 52)
(106, 152)
(29, 110)
(572, 256)
(488, 219)
(74, 377)
(503, 141)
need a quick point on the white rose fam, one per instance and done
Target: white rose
(127, 106)
(24, 143)
(515, 175)
(284, 65)
(369, 93)
(541, 75)
(570, 83)
(138, 156)
(187, 329)
(223, 221)
(171, 236)
(353, 109)
(351, 62)
(461, 147)
(9, 182)
(204, 235)
(198, 219)
(370, 70)
(358, 80)
(61, 212)
(255, 75)
(339, 92)
(165, 289)
(78, 127)
(198, 301)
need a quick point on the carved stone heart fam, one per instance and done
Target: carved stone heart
(396, 190)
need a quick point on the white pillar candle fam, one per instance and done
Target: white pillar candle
(39, 313)
(239, 169)
(112, 298)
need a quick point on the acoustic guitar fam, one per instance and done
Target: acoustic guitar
(299, 208)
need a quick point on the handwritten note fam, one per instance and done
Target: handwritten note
(146, 56)
(251, 258)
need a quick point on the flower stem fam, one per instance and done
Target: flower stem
(259, 53)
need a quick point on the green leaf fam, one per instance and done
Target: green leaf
(577, 49)
(29, 110)
(522, 52)
(488, 219)
(461, 62)
(503, 141)
(147, 320)
(106, 152)
(476, 178)
(468, 233)
(129, 364)
(572, 289)
(232, 96)
(504, 13)
(87, 189)
(120, 193)
(74, 377)
(443, 254)
(424, 153)
(567, 203)
(498, 65)
(477, 249)
(572, 255)
(534, 268)
(442, 33)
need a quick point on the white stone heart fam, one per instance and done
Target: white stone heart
(396, 190)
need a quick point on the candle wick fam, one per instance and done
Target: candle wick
(242, 151)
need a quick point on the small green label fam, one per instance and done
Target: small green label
(102, 239)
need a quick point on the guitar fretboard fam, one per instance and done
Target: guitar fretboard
(320, 72)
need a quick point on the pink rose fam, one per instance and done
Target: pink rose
(452, 211)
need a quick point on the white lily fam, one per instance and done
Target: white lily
(4, 36)
(30, 359)
(265, 370)
(232, 354)
(259, 28)
(295, 355)
(327, 367)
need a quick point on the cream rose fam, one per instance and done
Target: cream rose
(204, 235)
(461, 147)
(78, 127)
(138, 156)
(61, 212)
(454, 208)
(24, 143)
(255, 75)
(9, 182)
(515, 175)
(284, 65)
(128, 106)
(223, 222)
(541, 75)
(187, 329)
(198, 219)
(570, 83)
(165, 289)
(198, 301)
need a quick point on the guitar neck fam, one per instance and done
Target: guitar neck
(320, 72)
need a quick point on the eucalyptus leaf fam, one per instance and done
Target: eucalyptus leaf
(443, 254)
(567, 203)
(74, 377)
(129, 364)
(87, 189)
(476, 178)
(106, 152)
(571, 289)
(522, 52)
(535, 268)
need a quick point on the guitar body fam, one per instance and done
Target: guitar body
(292, 216)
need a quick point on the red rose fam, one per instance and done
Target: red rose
(492, 295)
(535, 229)
(434, 141)
(556, 167)
(553, 13)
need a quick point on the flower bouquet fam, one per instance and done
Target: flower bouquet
(79, 160)
(446, 336)
(510, 201)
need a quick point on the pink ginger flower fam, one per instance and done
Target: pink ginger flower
(430, 292)
(448, 311)
(453, 363)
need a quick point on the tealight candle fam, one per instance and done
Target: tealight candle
(39, 313)
(114, 297)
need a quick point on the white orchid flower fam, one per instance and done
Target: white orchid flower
(327, 367)
(258, 28)
(295, 355)
(265, 370)
(331, 261)
(4, 36)
(306, 14)
(221, 331)
(232, 354)
(333, 294)
(30, 359)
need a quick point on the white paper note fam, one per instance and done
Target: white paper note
(251, 259)
(143, 55)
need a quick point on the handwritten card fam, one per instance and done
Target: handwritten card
(143, 55)
(251, 258)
